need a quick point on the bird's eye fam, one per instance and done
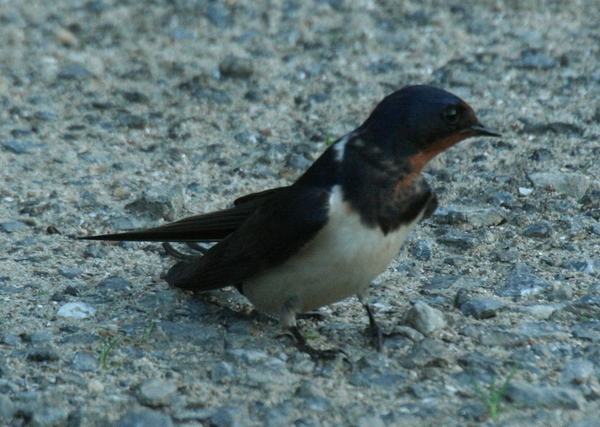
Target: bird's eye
(451, 115)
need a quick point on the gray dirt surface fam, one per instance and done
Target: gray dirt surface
(121, 114)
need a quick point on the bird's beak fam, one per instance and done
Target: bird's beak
(483, 130)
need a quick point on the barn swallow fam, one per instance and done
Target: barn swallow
(328, 235)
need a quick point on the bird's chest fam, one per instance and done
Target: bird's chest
(340, 261)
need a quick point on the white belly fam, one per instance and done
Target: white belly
(339, 262)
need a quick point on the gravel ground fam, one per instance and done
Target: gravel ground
(121, 114)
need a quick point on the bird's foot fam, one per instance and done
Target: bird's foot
(376, 335)
(302, 345)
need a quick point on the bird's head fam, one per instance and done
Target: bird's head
(419, 122)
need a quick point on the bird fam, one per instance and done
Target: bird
(327, 236)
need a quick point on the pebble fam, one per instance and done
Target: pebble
(577, 371)
(247, 357)
(572, 184)
(85, 362)
(222, 372)
(421, 250)
(481, 308)
(424, 318)
(48, 415)
(42, 354)
(429, 352)
(540, 229)
(520, 285)
(235, 67)
(500, 338)
(7, 407)
(114, 284)
(532, 59)
(160, 202)
(581, 265)
(587, 330)
(36, 338)
(231, 416)
(302, 363)
(531, 396)
(18, 147)
(69, 273)
(95, 386)
(75, 72)
(144, 417)
(459, 239)
(76, 310)
(12, 226)
(543, 330)
(477, 218)
(156, 392)
(218, 14)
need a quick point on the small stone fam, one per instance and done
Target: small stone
(519, 285)
(426, 353)
(18, 147)
(581, 265)
(42, 354)
(95, 386)
(84, 362)
(132, 121)
(481, 308)
(302, 363)
(539, 311)
(76, 310)
(247, 357)
(69, 273)
(571, 184)
(114, 284)
(421, 250)
(145, 418)
(459, 239)
(156, 392)
(500, 338)
(408, 332)
(532, 59)
(577, 371)
(532, 396)
(37, 338)
(235, 67)
(222, 372)
(7, 408)
(442, 282)
(476, 217)
(135, 97)
(474, 411)
(542, 330)
(539, 229)
(587, 330)
(48, 416)
(160, 202)
(462, 296)
(424, 318)
(10, 227)
(218, 14)
(75, 72)
(9, 339)
(231, 416)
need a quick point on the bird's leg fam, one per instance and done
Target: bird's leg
(288, 321)
(377, 336)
